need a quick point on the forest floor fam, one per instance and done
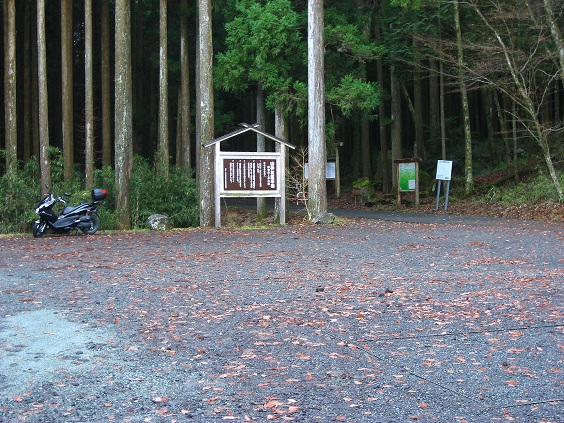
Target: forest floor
(546, 211)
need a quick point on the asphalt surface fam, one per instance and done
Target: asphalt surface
(395, 318)
(440, 217)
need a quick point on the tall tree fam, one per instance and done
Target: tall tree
(205, 112)
(556, 33)
(183, 158)
(281, 131)
(468, 169)
(140, 34)
(88, 97)
(10, 98)
(383, 126)
(106, 83)
(261, 144)
(44, 163)
(67, 88)
(524, 73)
(396, 117)
(419, 147)
(263, 46)
(35, 137)
(123, 111)
(163, 150)
(27, 72)
(316, 111)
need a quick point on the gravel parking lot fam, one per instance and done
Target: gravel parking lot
(367, 321)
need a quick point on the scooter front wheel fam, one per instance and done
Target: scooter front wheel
(95, 224)
(39, 228)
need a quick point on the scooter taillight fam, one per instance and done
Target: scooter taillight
(99, 194)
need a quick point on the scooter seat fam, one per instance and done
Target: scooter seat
(70, 209)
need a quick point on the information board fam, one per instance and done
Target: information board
(444, 170)
(249, 174)
(407, 174)
(330, 170)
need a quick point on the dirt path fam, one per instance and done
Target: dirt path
(374, 321)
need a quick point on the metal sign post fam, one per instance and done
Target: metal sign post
(444, 171)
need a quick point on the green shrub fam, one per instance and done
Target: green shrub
(19, 194)
(367, 187)
(149, 194)
(175, 197)
(426, 182)
(538, 189)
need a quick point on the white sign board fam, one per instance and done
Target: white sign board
(444, 170)
(330, 170)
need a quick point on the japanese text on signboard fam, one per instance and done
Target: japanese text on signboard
(249, 174)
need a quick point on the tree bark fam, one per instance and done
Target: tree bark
(67, 88)
(443, 114)
(503, 129)
(382, 113)
(365, 146)
(45, 166)
(10, 80)
(316, 111)
(515, 144)
(123, 111)
(105, 85)
(434, 100)
(179, 129)
(396, 123)
(88, 97)
(281, 131)
(162, 157)
(419, 147)
(35, 89)
(206, 113)
(139, 99)
(488, 112)
(468, 178)
(184, 159)
(556, 34)
(261, 145)
(27, 119)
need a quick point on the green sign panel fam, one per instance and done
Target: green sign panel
(407, 174)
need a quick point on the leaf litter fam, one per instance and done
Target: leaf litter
(367, 321)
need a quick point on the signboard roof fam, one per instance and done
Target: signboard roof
(247, 127)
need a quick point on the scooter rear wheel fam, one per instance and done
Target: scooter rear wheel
(93, 226)
(39, 229)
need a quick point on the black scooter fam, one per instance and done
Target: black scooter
(83, 217)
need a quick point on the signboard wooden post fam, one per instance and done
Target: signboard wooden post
(408, 177)
(444, 171)
(249, 174)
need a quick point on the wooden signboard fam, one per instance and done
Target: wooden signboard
(249, 174)
(407, 173)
